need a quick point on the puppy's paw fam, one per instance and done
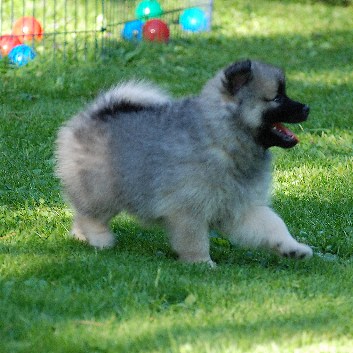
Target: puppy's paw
(94, 232)
(211, 264)
(197, 260)
(297, 251)
(77, 234)
(101, 241)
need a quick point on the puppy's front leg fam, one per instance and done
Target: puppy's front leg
(261, 226)
(189, 238)
(95, 231)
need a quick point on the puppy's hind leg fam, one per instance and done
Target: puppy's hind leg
(263, 227)
(189, 238)
(96, 232)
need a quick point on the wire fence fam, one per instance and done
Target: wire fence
(83, 28)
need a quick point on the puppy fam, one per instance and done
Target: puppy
(192, 165)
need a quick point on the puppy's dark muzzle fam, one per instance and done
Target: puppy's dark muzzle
(298, 115)
(296, 112)
(288, 111)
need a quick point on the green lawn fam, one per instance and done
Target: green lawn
(58, 295)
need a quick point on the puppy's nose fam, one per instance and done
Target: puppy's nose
(306, 109)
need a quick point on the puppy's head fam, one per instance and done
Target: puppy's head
(259, 92)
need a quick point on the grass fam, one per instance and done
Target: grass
(58, 295)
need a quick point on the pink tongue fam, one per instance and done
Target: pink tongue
(285, 131)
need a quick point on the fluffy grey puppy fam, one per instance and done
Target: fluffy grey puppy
(192, 164)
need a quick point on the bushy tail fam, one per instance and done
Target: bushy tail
(127, 97)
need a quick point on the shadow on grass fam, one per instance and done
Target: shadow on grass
(60, 295)
(314, 220)
(109, 336)
(85, 301)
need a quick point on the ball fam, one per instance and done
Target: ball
(193, 20)
(27, 28)
(7, 42)
(21, 55)
(133, 30)
(148, 9)
(156, 31)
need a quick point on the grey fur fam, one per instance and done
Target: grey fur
(190, 164)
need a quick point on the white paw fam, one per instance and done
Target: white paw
(294, 251)
(193, 258)
(77, 234)
(102, 241)
(211, 264)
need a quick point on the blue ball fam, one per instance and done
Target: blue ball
(133, 30)
(194, 20)
(21, 55)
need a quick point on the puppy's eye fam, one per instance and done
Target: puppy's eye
(277, 99)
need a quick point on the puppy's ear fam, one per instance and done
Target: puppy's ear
(237, 75)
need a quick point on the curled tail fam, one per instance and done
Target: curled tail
(131, 96)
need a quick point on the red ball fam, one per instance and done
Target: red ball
(7, 42)
(156, 31)
(27, 28)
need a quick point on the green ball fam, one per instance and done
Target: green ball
(148, 9)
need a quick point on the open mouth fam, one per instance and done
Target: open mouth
(276, 134)
(282, 132)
